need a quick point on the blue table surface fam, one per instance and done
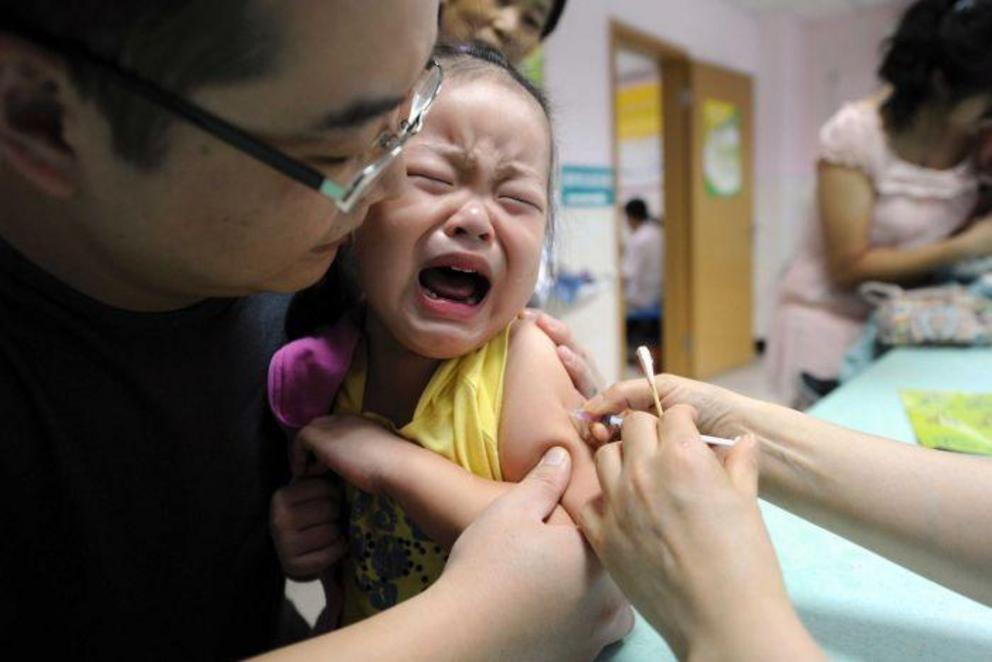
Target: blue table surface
(858, 605)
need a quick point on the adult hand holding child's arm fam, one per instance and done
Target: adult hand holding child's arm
(516, 587)
(577, 361)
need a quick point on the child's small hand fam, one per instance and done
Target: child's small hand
(355, 448)
(305, 521)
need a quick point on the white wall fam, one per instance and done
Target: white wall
(577, 61)
(803, 71)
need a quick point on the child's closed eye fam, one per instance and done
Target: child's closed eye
(522, 203)
(432, 182)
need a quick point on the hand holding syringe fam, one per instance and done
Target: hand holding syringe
(613, 423)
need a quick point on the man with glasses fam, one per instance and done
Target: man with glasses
(163, 166)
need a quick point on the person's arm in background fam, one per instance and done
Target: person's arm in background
(514, 588)
(923, 509)
(682, 534)
(847, 201)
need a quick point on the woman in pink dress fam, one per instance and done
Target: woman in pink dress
(896, 188)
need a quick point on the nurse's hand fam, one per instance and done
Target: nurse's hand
(577, 361)
(720, 412)
(681, 533)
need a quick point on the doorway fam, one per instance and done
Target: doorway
(650, 144)
(683, 143)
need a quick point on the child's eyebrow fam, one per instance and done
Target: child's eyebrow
(459, 157)
(519, 170)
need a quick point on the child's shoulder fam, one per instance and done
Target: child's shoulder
(528, 340)
(538, 396)
(533, 366)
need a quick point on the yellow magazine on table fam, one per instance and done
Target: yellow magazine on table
(960, 422)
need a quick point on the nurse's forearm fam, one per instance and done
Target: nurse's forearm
(926, 510)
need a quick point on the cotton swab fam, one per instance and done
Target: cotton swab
(617, 422)
(647, 367)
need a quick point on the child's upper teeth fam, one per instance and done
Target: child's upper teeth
(464, 271)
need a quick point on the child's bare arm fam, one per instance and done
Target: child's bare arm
(440, 496)
(537, 401)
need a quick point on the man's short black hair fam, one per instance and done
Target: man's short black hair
(636, 209)
(557, 8)
(178, 44)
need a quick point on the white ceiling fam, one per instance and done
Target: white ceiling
(811, 8)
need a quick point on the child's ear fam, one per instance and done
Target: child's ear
(35, 95)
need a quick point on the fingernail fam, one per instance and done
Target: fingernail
(555, 457)
(583, 416)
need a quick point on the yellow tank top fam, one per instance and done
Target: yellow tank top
(457, 416)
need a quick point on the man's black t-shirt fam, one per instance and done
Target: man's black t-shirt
(137, 464)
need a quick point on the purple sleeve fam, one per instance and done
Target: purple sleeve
(305, 375)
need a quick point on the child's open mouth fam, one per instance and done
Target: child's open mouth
(453, 284)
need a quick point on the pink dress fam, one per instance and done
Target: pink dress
(815, 322)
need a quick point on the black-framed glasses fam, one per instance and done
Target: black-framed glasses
(345, 197)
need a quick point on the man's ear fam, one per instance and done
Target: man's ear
(35, 93)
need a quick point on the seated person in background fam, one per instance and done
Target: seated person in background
(514, 27)
(643, 274)
(434, 351)
(897, 190)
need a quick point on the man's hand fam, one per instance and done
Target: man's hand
(305, 520)
(577, 361)
(539, 582)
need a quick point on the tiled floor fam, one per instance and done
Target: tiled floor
(750, 381)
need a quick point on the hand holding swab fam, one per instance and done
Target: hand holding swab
(617, 422)
(647, 367)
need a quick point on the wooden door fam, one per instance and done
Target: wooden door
(720, 234)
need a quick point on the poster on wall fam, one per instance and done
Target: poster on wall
(723, 162)
(587, 186)
(639, 129)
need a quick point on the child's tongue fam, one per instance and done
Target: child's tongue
(450, 284)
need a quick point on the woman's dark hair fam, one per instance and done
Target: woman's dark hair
(941, 51)
(557, 9)
(324, 303)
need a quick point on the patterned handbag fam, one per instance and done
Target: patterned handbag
(945, 315)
